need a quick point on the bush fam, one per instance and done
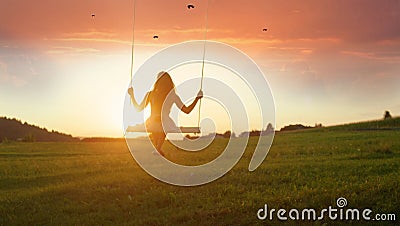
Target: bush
(29, 138)
(5, 140)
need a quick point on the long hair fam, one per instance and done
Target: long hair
(163, 86)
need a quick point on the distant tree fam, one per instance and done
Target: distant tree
(387, 115)
(244, 134)
(318, 125)
(29, 138)
(15, 130)
(295, 127)
(255, 133)
(270, 128)
(227, 134)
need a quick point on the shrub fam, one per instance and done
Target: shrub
(29, 138)
(387, 115)
(5, 140)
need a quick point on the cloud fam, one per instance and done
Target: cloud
(90, 34)
(71, 50)
(85, 36)
(249, 41)
(7, 78)
(20, 64)
(389, 57)
(143, 37)
(102, 40)
(3, 70)
(299, 74)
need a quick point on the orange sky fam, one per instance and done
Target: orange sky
(350, 21)
(327, 61)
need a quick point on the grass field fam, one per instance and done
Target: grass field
(101, 184)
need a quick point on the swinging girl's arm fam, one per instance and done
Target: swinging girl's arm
(188, 109)
(143, 104)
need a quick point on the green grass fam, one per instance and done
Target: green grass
(101, 184)
(390, 123)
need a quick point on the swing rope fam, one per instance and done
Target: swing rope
(202, 66)
(133, 41)
(204, 52)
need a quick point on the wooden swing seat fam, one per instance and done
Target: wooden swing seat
(142, 129)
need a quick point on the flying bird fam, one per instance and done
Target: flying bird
(265, 29)
(155, 36)
(190, 6)
(93, 15)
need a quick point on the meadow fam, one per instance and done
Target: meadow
(99, 183)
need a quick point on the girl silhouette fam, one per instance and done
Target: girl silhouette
(161, 99)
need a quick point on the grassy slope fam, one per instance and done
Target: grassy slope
(392, 123)
(100, 183)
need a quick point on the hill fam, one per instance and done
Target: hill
(382, 124)
(14, 129)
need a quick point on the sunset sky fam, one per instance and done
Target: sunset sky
(328, 62)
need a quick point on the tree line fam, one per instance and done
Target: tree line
(15, 130)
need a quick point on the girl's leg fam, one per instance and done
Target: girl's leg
(158, 140)
(160, 143)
